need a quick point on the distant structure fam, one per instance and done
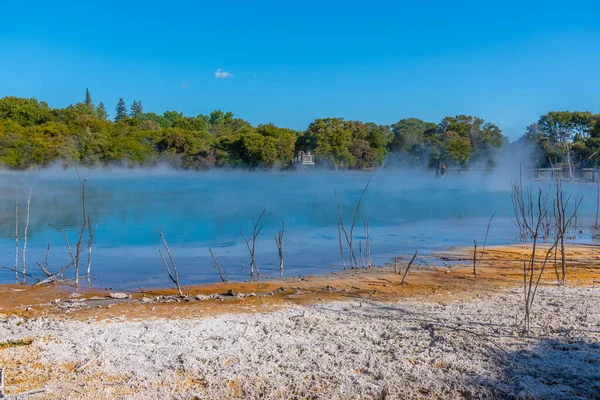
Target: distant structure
(583, 175)
(307, 160)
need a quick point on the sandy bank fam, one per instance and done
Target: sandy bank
(353, 335)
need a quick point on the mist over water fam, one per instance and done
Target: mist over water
(408, 210)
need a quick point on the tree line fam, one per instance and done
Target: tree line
(34, 134)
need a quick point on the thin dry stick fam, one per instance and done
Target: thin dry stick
(24, 266)
(279, 244)
(223, 278)
(485, 242)
(349, 236)
(67, 242)
(16, 241)
(367, 241)
(13, 270)
(596, 227)
(408, 267)
(91, 233)
(257, 227)
(356, 215)
(362, 260)
(341, 247)
(55, 277)
(44, 267)
(83, 226)
(474, 257)
(174, 278)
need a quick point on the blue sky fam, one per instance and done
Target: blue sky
(291, 62)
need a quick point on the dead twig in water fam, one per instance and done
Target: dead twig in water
(367, 241)
(174, 276)
(16, 241)
(408, 268)
(362, 260)
(24, 266)
(91, 233)
(14, 269)
(474, 257)
(257, 227)
(279, 244)
(44, 268)
(55, 277)
(341, 247)
(66, 241)
(83, 226)
(223, 278)
(349, 236)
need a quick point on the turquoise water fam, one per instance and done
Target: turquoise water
(407, 210)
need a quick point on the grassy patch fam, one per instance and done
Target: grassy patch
(15, 343)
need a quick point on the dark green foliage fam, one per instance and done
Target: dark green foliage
(88, 99)
(566, 138)
(136, 109)
(121, 110)
(101, 111)
(33, 134)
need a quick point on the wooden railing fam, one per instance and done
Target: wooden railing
(305, 159)
(537, 174)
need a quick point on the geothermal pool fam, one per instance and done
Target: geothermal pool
(407, 211)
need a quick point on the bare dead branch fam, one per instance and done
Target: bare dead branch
(223, 278)
(341, 247)
(362, 260)
(174, 276)
(477, 263)
(367, 241)
(474, 257)
(15, 269)
(16, 240)
(408, 268)
(257, 227)
(24, 266)
(91, 234)
(279, 244)
(349, 236)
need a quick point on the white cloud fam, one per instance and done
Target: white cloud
(220, 74)
(184, 85)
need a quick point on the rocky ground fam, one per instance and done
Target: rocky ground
(361, 348)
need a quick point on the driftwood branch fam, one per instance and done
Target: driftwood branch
(16, 241)
(24, 266)
(341, 246)
(279, 244)
(408, 268)
(368, 241)
(251, 242)
(223, 278)
(349, 235)
(91, 234)
(174, 276)
(484, 243)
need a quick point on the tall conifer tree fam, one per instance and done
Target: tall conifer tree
(121, 110)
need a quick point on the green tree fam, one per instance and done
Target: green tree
(88, 99)
(26, 112)
(121, 110)
(101, 111)
(136, 109)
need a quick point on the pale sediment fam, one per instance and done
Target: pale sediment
(348, 349)
(360, 334)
